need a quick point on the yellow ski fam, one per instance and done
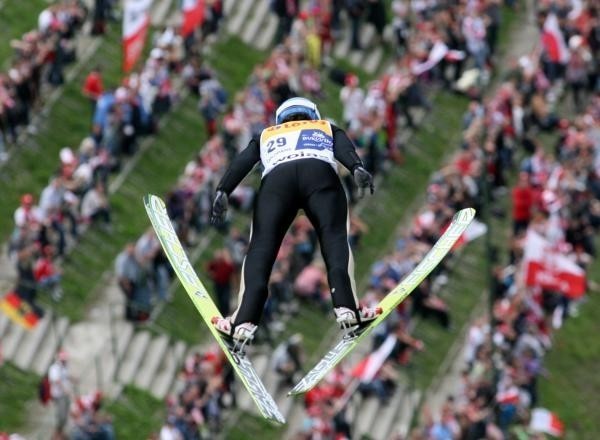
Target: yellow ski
(460, 222)
(157, 212)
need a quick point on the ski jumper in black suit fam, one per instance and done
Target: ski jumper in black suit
(300, 172)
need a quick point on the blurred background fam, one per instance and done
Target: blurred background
(491, 104)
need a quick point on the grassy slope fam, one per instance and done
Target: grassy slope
(156, 172)
(17, 387)
(136, 414)
(17, 17)
(67, 123)
(571, 389)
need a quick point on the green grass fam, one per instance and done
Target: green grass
(68, 122)
(17, 387)
(17, 17)
(136, 414)
(571, 388)
(250, 426)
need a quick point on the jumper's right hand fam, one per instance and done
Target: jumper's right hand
(219, 208)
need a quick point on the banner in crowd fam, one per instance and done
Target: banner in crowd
(547, 422)
(19, 311)
(366, 369)
(193, 15)
(136, 20)
(553, 40)
(547, 267)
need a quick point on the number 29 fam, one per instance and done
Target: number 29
(272, 144)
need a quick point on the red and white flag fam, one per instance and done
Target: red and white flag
(554, 40)
(193, 15)
(136, 20)
(475, 230)
(548, 268)
(507, 396)
(547, 422)
(366, 369)
(437, 54)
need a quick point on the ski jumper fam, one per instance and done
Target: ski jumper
(300, 172)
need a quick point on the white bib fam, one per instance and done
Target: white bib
(296, 140)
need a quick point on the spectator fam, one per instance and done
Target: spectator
(60, 392)
(287, 359)
(286, 11)
(89, 422)
(356, 9)
(95, 206)
(47, 275)
(93, 85)
(220, 270)
(522, 202)
(129, 277)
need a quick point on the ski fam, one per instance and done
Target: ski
(161, 223)
(460, 222)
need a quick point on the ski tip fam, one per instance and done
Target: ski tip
(465, 215)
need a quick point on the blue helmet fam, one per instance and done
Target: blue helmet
(297, 109)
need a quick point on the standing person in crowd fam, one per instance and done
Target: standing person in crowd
(93, 86)
(220, 270)
(356, 9)
(286, 11)
(128, 271)
(95, 205)
(299, 157)
(60, 392)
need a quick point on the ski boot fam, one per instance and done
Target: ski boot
(347, 318)
(240, 335)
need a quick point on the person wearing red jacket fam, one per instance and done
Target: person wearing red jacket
(523, 198)
(221, 271)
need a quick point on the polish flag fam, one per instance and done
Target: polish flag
(136, 20)
(547, 422)
(548, 268)
(366, 369)
(437, 54)
(554, 40)
(193, 15)
(475, 230)
(508, 396)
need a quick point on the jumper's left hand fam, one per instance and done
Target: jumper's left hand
(363, 180)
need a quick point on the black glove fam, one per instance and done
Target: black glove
(363, 180)
(219, 208)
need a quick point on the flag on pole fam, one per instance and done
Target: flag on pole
(553, 40)
(548, 268)
(547, 422)
(136, 20)
(193, 15)
(367, 368)
(19, 311)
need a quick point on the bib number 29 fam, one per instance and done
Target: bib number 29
(272, 144)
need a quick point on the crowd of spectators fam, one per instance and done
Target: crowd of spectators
(559, 189)
(296, 66)
(555, 197)
(76, 196)
(39, 58)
